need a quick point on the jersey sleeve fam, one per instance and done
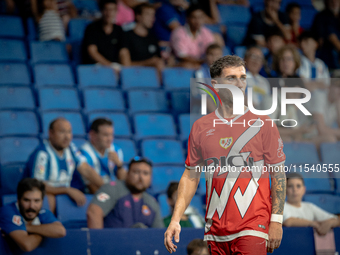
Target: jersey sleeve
(87, 157)
(78, 157)
(272, 144)
(10, 222)
(46, 217)
(194, 157)
(106, 197)
(38, 165)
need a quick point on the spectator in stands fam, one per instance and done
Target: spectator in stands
(293, 10)
(142, 45)
(126, 204)
(210, 9)
(191, 217)
(50, 23)
(312, 68)
(213, 52)
(54, 162)
(25, 222)
(303, 214)
(266, 22)
(261, 88)
(190, 42)
(274, 42)
(105, 157)
(198, 247)
(103, 40)
(326, 25)
(287, 61)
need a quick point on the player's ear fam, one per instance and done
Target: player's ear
(214, 82)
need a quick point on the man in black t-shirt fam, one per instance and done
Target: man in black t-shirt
(142, 45)
(103, 40)
(266, 22)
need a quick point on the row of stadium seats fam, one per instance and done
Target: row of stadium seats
(57, 98)
(93, 76)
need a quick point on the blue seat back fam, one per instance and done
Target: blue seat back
(10, 176)
(177, 78)
(14, 74)
(180, 101)
(139, 77)
(235, 35)
(163, 175)
(18, 123)
(128, 147)
(76, 29)
(12, 50)
(330, 152)
(58, 99)
(147, 101)
(16, 98)
(329, 203)
(11, 27)
(234, 14)
(49, 74)
(162, 151)
(48, 52)
(298, 153)
(94, 75)
(103, 100)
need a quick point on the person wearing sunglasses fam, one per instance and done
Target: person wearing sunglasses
(125, 204)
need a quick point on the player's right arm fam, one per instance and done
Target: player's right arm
(25, 241)
(186, 190)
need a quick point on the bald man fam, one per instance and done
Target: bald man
(55, 160)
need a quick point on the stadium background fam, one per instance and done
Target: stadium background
(39, 81)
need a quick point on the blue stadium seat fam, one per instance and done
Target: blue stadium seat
(79, 142)
(184, 126)
(16, 149)
(95, 75)
(317, 183)
(75, 118)
(16, 98)
(48, 52)
(11, 27)
(235, 35)
(86, 6)
(10, 175)
(154, 125)
(234, 14)
(162, 151)
(299, 153)
(18, 123)
(74, 216)
(180, 101)
(226, 51)
(14, 74)
(163, 175)
(76, 29)
(330, 203)
(139, 77)
(330, 153)
(57, 98)
(12, 50)
(76, 53)
(307, 17)
(201, 190)
(122, 126)
(196, 202)
(128, 148)
(177, 78)
(31, 29)
(103, 100)
(147, 101)
(48, 74)
(7, 199)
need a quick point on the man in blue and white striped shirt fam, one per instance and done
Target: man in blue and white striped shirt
(102, 154)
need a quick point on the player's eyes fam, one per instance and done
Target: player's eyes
(243, 78)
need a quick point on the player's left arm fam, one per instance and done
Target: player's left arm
(90, 174)
(52, 230)
(278, 192)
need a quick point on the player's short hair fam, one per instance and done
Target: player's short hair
(100, 122)
(102, 3)
(196, 244)
(193, 8)
(138, 10)
(139, 159)
(213, 46)
(225, 62)
(291, 6)
(51, 126)
(29, 184)
(307, 34)
(295, 176)
(172, 188)
(278, 56)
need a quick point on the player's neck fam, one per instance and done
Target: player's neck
(295, 204)
(101, 151)
(226, 111)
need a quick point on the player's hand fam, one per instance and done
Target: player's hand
(173, 231)
(323, 227)
(77, 196)
(274, 236)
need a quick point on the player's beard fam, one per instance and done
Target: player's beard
(23, 213)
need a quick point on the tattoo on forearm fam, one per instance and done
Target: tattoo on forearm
(278, 191)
